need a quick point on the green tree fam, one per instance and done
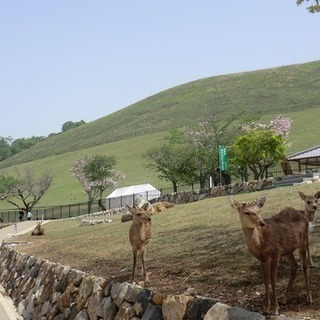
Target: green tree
(96, 174)
(23, 189)
(21, 144)
(313, 8)
(173, 162)
(258, 150)
(71, 125)
(192, 154)
(5, 149)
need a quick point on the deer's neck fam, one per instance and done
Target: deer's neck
(254, 240)
(310, 215)
(252, 236)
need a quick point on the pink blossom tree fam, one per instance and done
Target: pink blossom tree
(96, 174)
(205, 139)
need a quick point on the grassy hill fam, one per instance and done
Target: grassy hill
(258, 93)
(128, 133)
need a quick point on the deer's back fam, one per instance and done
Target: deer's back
(37, 232)
(286, 231)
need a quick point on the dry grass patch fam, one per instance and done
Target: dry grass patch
(198, 245)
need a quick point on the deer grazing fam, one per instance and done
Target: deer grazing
(270, 239)
(139, 236)
(38, 230)
(310, 208)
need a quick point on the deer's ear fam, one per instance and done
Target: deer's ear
(261, 201)
(302, 195)
(317, 195)
(234, 203)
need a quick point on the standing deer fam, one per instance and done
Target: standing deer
(38, 230)
(310, 207)
(139, 236)
(270, 239)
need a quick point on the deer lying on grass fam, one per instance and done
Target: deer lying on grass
(139, 236)
(270, 239)
(38, 230)
(310, 207)
(157, 206)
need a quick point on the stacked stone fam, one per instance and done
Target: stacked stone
(85, 223)
(44, 290)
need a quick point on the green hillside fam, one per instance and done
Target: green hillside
(128, 133)
(265, 92)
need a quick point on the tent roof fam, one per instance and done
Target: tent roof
(134, 189)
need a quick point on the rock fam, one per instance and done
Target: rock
(153, 313)
(175, 306)
(199, 307)
(219, 311)
(126, 217)
(242, 314)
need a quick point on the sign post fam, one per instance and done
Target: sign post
(223, 160)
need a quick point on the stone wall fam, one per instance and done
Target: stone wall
(231, 189)
(45, 290)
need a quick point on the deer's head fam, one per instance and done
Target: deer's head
(310, 204)
(250, 212)
(140, 215)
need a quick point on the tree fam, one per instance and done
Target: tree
(205, 140)
(24, 189)
(21, 144)
(71, 125)
(173, 162)
(258, 150)
(96, 174)
(313, 8)
(5, 150)
(193, 153)
(282, 126)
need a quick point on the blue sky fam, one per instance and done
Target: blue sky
(82, 60)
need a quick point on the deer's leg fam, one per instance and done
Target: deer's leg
(143, 255)
(134, 251)
(302, 253)
(274, 264)
(310, 258)
(294, 268)
(265, 265)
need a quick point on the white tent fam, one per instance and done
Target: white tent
(126, 195)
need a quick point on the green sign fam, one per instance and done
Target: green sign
(223, 158)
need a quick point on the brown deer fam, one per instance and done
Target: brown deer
(310, 208)
(38, 230)
(157, 206)
(270, 239)
(139, 236)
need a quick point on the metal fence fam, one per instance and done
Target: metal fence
(78, 209)
(48, 213)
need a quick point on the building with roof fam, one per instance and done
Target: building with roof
(307, 160)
